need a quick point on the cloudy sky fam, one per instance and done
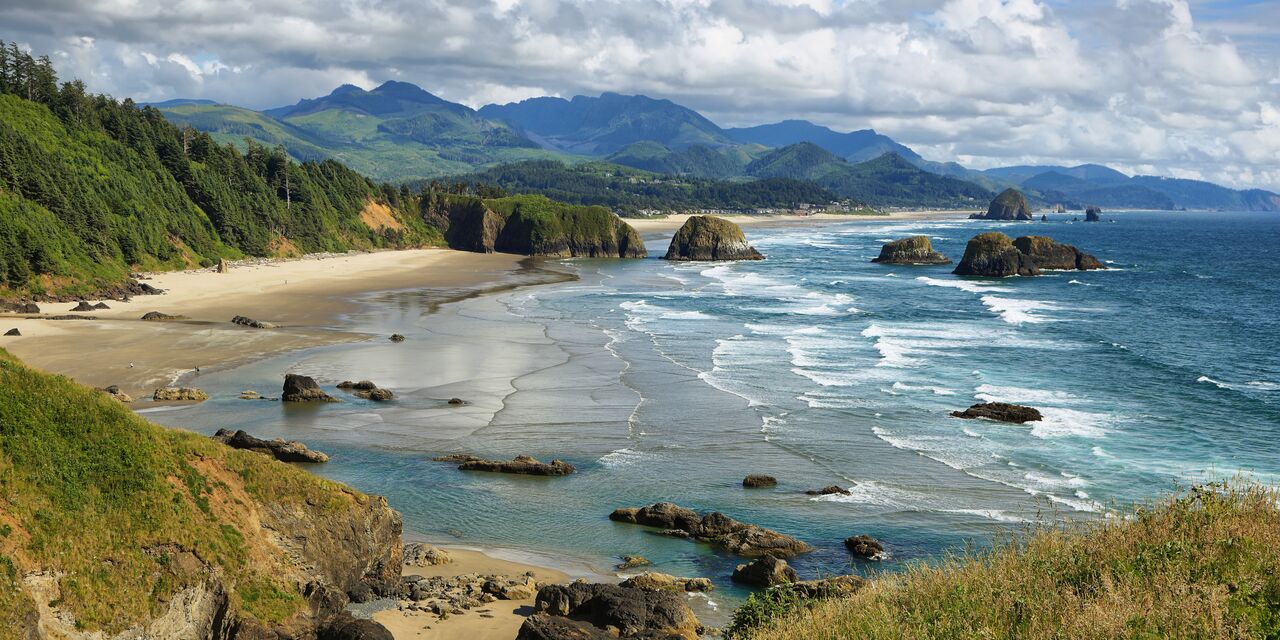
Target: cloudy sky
(1169, 87)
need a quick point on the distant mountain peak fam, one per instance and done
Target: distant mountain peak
(854, 146)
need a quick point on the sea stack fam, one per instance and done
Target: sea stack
(1093, 214)
(711, 238)
(1009, 205)
(993, 254)
(1048, 253)
(913, 250)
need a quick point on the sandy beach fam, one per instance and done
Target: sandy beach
(305, 297)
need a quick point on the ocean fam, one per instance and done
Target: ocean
(669, 381)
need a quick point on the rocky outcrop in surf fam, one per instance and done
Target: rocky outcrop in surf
(522, 464)
(1093, 214)
(1000, 412)
(913, 250)
(994, 254)
(531, 225)
(1009, 205)
(367, 390)
(710, 238)
(654, 581)
(1048, 253)
(759, 481)
(280, 449)
(829, 490)
(299, 388)
(179, 394)
(250, 322)
(864, 546)
(715, 528)
(768, 571)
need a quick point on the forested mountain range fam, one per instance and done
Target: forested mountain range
(400, 132)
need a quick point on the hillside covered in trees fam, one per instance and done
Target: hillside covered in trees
(92, 188)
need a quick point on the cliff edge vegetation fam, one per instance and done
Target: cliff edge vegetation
(1200, 564)
(111, 524)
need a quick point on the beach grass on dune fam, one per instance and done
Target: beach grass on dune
(1204, 563)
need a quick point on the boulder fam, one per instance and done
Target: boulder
(1048, 253)
(544, 627)
(1093, 214)
(395, 337)
(179, 394)
(363, 385)
(20, 306)
(1000, 412)
(250, 394)
(1044, 218)
(631, 562)
(377, 395)
(525, 465)
(826, 491)
(13, 332)
(457, 402)
(349, 627)
(654, 581)
(156, 316)
(768, 571)
(758, 481)
(715, 528)
(630, 611)
(83, 306)
(993, 254)
(250, 322)
(115, 392)
(222, 265)
(421, 554)
(710, 238)
(865, 546)
(1009, 205)
(913, 250)
(298, 388)
(282, 450)
(101, 305)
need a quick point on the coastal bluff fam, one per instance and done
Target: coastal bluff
(204, 541)
(710, 238)
(531, 225)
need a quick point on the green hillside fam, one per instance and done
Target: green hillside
(91, 189)
(698, 161)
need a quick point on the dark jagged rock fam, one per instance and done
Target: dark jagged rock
(377, 395)
(710, 238)
(349, 627)
(544, 627)
(993, 254)
(632, 612)
(768, 571)
(395, 337)
(1044, 218)
(179, 394)
(1000, 412)
(101, 305)
(715, 528)
(1093, 214)
(865, 546)
(156, 316)
(13, 332)
(913, 250)
(83, 306)
(1009, 205)
(826, 491)
(282, 450)
(250, 322)
(20, 306)
(1048, 253)
(525, 465)
(757, 481)
(363, 385)
(457, 402)
(303, 389)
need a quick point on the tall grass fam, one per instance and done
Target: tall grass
(1204, 563)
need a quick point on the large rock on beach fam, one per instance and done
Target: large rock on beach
(83, 306)
(299, 388)
(1048, 253)
(421, 554)
(710, 238)
(280, 449)
(629, 611)
(13, 332)
(993, 254)
(524, 465)
(544, 627)
(349, 627)
(1000, 412)
(21, 306)
(179, 394)
(156, 316)
(1009, 205)
(913, 250)
(250, 322)
(715, 528)
(768, 571)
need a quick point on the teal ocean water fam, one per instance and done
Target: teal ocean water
(666, 381)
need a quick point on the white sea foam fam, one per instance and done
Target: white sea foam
(817, 400)
(620, 458)
(937, 391)
(714, 380)
(1100, 452)
(1058, 423)
(990, 514)
(1023, 395)
(1016, 311)
(971, 286)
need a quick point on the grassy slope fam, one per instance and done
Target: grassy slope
(105, 498)
(1203, 564)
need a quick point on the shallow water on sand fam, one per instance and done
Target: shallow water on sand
(666, 381)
